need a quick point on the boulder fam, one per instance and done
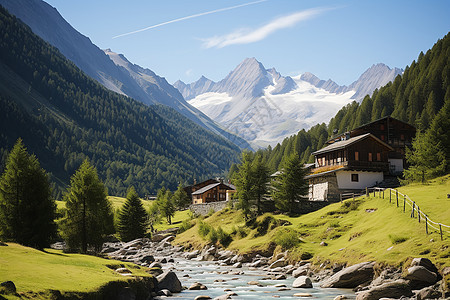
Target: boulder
(237, 265)
(278, 263)
(424, 262)
(147, 258)
(8, 287)
(280, 277)
(197, 286)
(421, 274)
(137, 244)
(301, 271)
(395, 289)
(167, 239)
(223, 297)
(340, 297)
(302, 282)
(431, 292)
(191, 255)
(169, 280)
(164, 292)
(350, 277)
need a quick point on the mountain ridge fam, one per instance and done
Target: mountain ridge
(47, 23)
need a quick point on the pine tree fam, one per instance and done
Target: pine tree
(261, 177)
(290, 185)
(164, 200)
(89, 215)
(154, 216)
(180, 198)
(244, 183)
(426, 158)
(133, 219)
(27, 210)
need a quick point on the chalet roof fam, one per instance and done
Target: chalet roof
(367, 124)
(211, 186)
(345, 143)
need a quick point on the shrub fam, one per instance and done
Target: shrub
(203, 228)
(225, 239)
(287, 238)
(306, 256)
(213, 235)
(396, 239)
(239, 231)
(185, 225)
(334, 223)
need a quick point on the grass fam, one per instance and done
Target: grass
(34, 270)
(370, 228)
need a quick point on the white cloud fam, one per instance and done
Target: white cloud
(246, 36)
(190, 17)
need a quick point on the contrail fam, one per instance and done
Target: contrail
(190, 17)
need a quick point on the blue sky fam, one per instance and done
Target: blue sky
(335, 40)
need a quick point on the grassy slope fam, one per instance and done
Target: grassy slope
(34, 270)
(356, 235)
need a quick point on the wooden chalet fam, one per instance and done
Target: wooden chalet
(393, 132)
(348, 164)
(211, 190)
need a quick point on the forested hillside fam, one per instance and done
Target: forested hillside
(64, 117)
(416, 97)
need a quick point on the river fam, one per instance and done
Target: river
(219, 278)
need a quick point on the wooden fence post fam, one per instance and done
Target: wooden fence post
(396, 194)
(383, 194)
(404, 204)
(440, 229)
(412, 211)
(390, 195)
(397, 201)
(418, 213)
(426, 224)
(367, 192)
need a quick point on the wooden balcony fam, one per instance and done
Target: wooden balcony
(354, 165)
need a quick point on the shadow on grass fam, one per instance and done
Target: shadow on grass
(53, 253)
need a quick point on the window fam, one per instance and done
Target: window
(378, 156)
(370, 156)
(381, 126)
(355, 178)
(402, 137)
(382, 137)
(356, 155)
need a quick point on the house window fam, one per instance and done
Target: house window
(356, 155)
(355, 178)
(402, 137)
(381, 126)
(382, 137)
(378, 156)
(370, 156)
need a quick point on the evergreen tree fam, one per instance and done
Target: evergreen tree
(133, 219)
(261, 178)
(426, 158)
(89, 215)
(27, 210)
(164, 200)
(243, 181)
(154, 216)
(290, 185)
(180, 198)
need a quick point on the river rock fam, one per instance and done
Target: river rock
(197, 286)
(278, 263)
(191, 255)
(431, 292)
(202, 297)
(424, 262)
(223, 297)
(253, 282)
(136, 244)
(340, 297)
(350, 277)
(302, 295)
(9, 287)
(237, 265)
(301, 271)
(422, 274)
(164, 292)
(395, 289)
(302, 282)
(169, 280)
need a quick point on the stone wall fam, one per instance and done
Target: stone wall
(204, 208)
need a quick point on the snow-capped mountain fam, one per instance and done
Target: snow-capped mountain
(112, 70)
(263, 107)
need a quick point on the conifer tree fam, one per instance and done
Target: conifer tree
(133, 219)
(89, 215)
(244, 183)
(261, 177)
(290, 185)
(27, 210)
(180, 198)
(164, 200)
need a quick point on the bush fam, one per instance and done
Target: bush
(185, 225)
(287, 238)
(203, 228)
(225, 239)
(396, 239)
(213, 235)
(240, 231)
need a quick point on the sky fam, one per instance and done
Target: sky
(333, 39)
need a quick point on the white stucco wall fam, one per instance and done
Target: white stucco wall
(344, 179)
(318, 191)
(397, 164)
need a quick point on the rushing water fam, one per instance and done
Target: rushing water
(220, 278)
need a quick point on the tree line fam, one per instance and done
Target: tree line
(28, 212)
